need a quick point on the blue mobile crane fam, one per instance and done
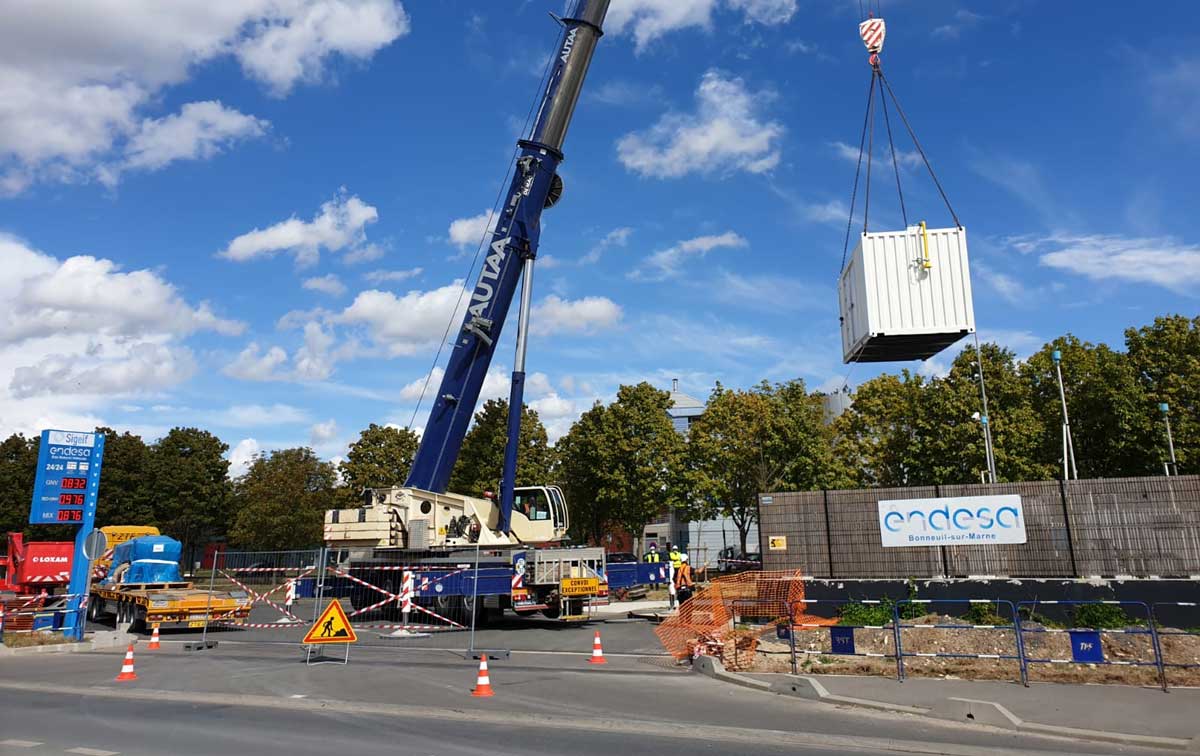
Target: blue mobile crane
(525, 564)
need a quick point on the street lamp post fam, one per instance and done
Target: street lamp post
(983, 419)
(1172, 467)
(1068, 442)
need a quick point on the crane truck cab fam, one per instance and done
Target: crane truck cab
(411, 518)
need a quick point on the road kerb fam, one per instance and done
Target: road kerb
(962, 710)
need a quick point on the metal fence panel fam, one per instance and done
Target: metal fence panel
(800, 519)
(1142, 527)
(855, 545)
(1048, 550)
(1136, 526)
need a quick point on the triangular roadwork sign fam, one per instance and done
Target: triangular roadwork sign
(331, 627)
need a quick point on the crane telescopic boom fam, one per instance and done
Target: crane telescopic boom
(509, 258)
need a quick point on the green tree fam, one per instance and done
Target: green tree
(1106, 406)
(281, 501)
(18, 469)
(909, 431)
(624, 464)
(880, 438)
(381, 457)
(581, 456)
(187, 475)
(954, 438)
(481, 461)
(124, 489)
(770, 438)
(1165, 356)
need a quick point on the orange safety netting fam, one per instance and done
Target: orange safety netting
(705, 622)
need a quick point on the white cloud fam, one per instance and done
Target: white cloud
(770, 293)
(618, 237)
(314, 361)
(1174, 91)
(197, 132)
(883, 156)
(587, 315)
(252, 364)
(1022, 343)
(413, 391)
(114, 370)
(241, 455)
(292, 46)
(963, 20)
(339, 225)
(408, 324)
(648, 20)
(76, 87)
(833, 211)
(466, 233)
(768, 12)
(41, 296)
(79, 335)
(725, 133)
(1008, 287)
(1163, 262)
(322, 433)
(258, 415)
(327, 284)
(666, 263)
(392, 276)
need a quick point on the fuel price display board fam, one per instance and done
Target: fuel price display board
(68, 478)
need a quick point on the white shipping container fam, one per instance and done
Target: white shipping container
(905, 295)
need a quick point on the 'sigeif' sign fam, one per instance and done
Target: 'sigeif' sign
(958, 521)
(68, 478)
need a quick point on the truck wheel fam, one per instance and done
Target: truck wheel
(137, 619)
(553, 611)
(95, 609)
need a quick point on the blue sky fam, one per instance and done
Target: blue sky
(255, 216)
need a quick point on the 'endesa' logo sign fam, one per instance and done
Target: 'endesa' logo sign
(959, 521)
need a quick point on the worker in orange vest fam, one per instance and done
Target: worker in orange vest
(683, 579)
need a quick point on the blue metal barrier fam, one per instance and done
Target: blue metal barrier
(1161, 633)
(1087, 642)
(842, 638)
(1017, 654)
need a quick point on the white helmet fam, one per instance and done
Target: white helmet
(683, 557)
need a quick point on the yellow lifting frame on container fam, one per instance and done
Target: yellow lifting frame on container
(927, 264)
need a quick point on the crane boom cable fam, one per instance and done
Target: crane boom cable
(920, 149)
(895, 163)
(857, 173)
(870, 156)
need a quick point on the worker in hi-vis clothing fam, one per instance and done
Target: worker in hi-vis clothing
(683, 580)
(652, 555)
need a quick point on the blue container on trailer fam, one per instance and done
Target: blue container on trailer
(151, 559)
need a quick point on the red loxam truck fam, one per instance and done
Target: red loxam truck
(27, 569)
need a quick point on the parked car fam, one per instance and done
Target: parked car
(731, 559)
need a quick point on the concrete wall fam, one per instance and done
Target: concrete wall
(1144, 527)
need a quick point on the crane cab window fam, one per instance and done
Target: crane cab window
(533, 504)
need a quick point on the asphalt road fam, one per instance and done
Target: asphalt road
(248, 698)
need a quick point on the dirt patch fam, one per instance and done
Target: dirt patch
(26, 640)
(815, 654)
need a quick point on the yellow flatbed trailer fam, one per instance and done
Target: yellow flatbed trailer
(167, 604)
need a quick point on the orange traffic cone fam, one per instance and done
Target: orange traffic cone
(127, 672)
(154, 646)
(483, 684)
(597, 651)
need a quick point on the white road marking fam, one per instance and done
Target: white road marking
(298, 695)
(93, 752)
(20, 743)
